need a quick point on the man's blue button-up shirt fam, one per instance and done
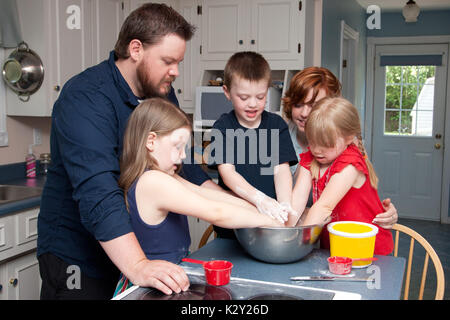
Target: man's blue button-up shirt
(81, 201)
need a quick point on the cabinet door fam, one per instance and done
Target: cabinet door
(34, 17)
(277, 28)
(134, 4)
(3, 282)
(72, 40)
(189, 76)
(108, 16)
(224, 28)
(24, 282)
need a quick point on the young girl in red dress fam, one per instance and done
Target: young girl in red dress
(337, 169)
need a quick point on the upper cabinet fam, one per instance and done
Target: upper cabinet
(274, 28)
(69, 36)
(72, 35)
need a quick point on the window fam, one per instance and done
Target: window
(409, 100)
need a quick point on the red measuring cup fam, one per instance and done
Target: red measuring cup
(343, 265)
(217, 272)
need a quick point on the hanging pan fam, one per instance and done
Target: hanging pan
(23, 71)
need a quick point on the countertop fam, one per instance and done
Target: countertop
(20, 205)
(388, 271)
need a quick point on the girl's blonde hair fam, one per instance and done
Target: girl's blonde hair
(156, 115)
(329, 119)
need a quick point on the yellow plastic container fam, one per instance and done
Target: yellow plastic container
(352, 239)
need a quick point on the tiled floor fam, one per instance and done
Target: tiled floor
(438, 235)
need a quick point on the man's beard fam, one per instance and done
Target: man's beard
(148, 88)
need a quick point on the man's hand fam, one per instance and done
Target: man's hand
(126, 253)
(162, 275)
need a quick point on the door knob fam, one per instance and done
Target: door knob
(437, 146)
(13, 281)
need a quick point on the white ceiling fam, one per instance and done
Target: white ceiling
(397, 5)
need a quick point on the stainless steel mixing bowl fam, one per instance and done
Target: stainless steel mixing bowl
(279, 245)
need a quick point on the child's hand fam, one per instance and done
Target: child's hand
(287, 207)
(271, 207)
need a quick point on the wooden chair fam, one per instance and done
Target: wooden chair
(206, 236)
(429, 252)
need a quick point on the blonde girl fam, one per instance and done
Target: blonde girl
(157, 198)
(336, 167)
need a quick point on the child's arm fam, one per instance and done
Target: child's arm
(215, 194)
(283, 187)
(245, 190)
(338, 186)
(283, 182)
(166, 193)
(300, 194)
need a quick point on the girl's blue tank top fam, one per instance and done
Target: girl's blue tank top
(169, 240)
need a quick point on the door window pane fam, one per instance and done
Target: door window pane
(391, 122)
(409, 100)
(405, 122)
(409, 96)
(393, 96)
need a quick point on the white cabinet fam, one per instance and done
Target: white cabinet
(69, 36)
(23, 280)
(19, 268)
(225, 28)
(189, 68)
(274, 28)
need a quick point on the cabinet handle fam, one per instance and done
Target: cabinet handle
(253, 42)
(1, 287)
(241, 42)
(13, 282)
(179, 91)
(57, 88)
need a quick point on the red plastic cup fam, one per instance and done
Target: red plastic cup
(340, 265)
(218, 272)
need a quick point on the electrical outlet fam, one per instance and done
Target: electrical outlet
(37, 137)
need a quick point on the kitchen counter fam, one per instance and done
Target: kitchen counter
(388, 271)
(24, 204)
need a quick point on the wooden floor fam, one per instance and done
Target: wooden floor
(438, 235)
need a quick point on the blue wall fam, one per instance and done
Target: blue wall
(354, 16)
(429, 23)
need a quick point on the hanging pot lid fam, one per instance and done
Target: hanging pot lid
(23, 71)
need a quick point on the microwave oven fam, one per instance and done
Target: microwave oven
(211, 103)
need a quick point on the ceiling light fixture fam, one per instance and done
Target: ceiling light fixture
(411, 11)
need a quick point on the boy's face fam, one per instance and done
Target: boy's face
(248, 99)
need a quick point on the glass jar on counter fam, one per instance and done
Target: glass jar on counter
(44, 163)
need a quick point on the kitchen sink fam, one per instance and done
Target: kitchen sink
(10, 193)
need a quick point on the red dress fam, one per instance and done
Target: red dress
(361, 204)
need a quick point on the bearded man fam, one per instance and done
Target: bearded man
(85, 238)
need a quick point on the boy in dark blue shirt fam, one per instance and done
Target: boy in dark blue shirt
(251, 147)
